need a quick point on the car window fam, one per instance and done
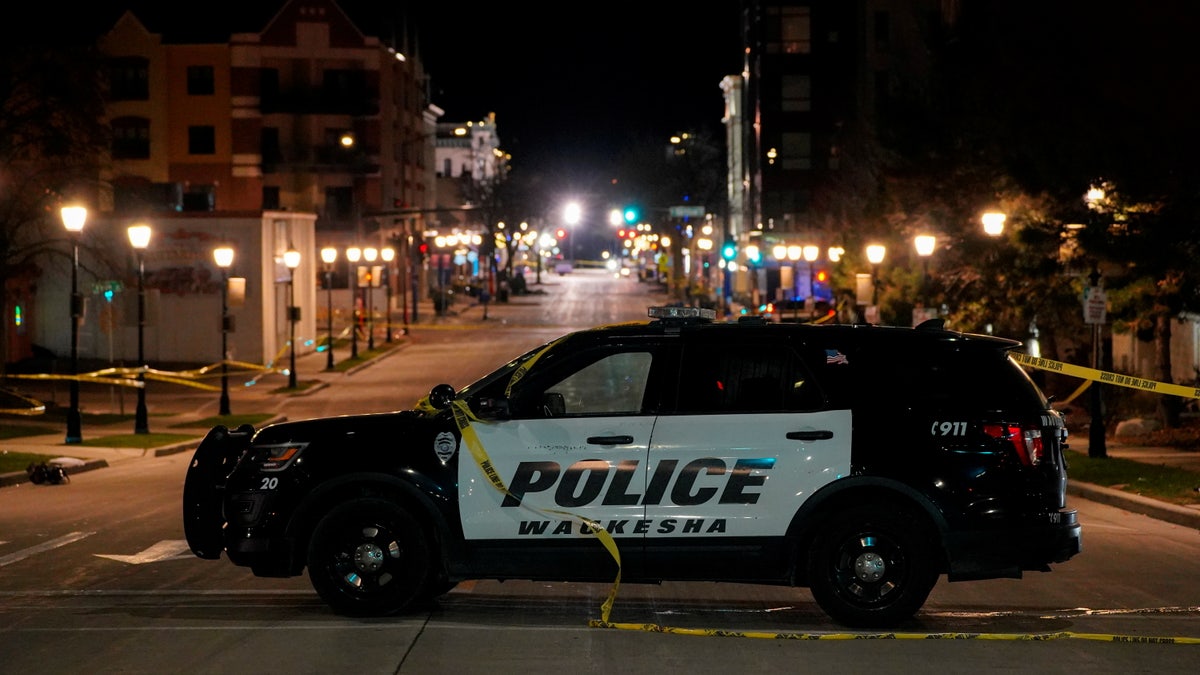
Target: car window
(614, 384)
(604, 380)
(749, 376)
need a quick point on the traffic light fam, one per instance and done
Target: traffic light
(630, 213)
(560, 234)
(729, 249)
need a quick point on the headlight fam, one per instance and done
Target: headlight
(277, 457)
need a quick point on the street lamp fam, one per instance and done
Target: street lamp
(370, 254)
(354, 254)
(875, 254)
(73, 218)
(329, 256)
(388, 254)
(993, 223)
(572, 215)
(139, 237)
(291, 258)
(925, 244)
(1097, 443)
(223, 256)
(811, 253)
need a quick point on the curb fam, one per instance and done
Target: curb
(1165, 511)
(19, 477)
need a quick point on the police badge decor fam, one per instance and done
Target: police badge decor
(445, 446)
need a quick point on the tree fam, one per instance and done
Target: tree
(52, 144)
(1149, 248)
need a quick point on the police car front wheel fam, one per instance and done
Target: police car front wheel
(369, 557)
(872, 565)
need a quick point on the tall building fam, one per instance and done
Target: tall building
(803, 121)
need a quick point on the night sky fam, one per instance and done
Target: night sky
(574, 84)
(569, 86)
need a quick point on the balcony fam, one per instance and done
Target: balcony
(320, 159)
(303, 101)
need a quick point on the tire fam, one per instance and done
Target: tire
(873, 565)
(369, 557)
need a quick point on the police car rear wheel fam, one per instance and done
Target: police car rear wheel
(872, 566)
(369, 557)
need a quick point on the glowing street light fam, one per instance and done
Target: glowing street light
(329, 256)
(73, 218)
(993, 223)
(291, 258)
(388, 254)
(139, 238)
(925, 245)
(354, 254)
(223, 256)
(875, 255)
(371, 254)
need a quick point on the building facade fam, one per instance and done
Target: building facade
(291, 123)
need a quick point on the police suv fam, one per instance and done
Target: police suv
(861, 462)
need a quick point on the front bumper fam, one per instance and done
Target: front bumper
(204, 487)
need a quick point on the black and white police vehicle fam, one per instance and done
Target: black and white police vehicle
(861, 462)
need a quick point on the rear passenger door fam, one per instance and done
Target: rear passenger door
(747, 441)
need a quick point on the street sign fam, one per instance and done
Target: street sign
(1095, 305)
(687, 211)
(103, 286)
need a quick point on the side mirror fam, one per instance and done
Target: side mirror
(493, 408)
(553, 404)
(441, 395)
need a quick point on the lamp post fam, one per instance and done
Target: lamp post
(291, 258)
(794, 253)
(329, 256)
(811, 253)
(370, 254)
(139, 237)
(354, 254)
(223, 256)
(388, 254)
(73, 218)
(875, 254)
(925, 244)
(1097, 444)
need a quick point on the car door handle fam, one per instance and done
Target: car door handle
(610, 440)
(822, 435)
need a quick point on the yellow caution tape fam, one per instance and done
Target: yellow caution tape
(463, 417)
(35, 406)
(1105, 377)
(1061, 635)
(524, 367)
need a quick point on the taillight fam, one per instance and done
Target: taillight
(1026, 441)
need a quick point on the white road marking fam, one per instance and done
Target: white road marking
(48, 546)
(167, 549)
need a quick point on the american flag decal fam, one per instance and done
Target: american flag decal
(834, 356)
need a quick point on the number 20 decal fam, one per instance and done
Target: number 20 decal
(948, 429)
(269, 483)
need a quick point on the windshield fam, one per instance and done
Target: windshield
(504, 372)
